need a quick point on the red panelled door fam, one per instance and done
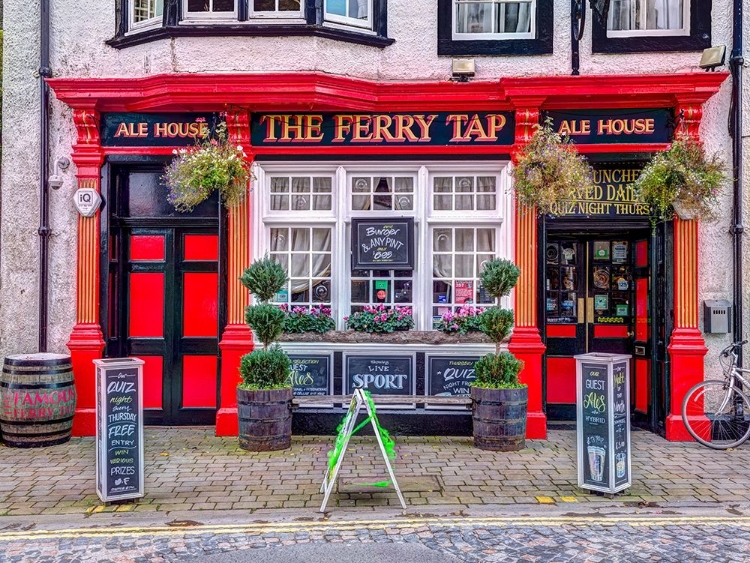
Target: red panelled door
(164, 299)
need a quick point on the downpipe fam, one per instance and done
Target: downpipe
(736, 64)
(44, 228)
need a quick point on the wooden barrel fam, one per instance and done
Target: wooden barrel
(265, 419)
(499, 417)
(37, 400)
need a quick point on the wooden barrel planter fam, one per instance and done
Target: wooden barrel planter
(37, 400)
(265, 419)
(499, 417)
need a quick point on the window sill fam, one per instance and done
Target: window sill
(650, 44)
(249, 30)
(398, 337)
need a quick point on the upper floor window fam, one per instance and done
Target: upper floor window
(146, 13)
(644, 26)
(495, 27)
(631, 18)
(276, 8)
(349, 12)
(210, 9)
(496, 19)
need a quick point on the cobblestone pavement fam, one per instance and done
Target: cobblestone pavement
(190, 469)
(552, 539)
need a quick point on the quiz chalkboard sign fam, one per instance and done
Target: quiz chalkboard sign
(119, 429)
(447, 376)
(603, 407)
(310, 374)
(383, 244)
(380, 375)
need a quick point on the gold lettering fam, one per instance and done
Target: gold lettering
(160, 130)
(292, 132)
(122, 130)
(271, 121)
(342, 126)
(424, 124)
(380, 131)
(314, 123)
(457, 120)
(404, 124)
(362, 131)
(475, 129)
(495, 124)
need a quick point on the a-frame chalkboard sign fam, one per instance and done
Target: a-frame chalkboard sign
(342, 441)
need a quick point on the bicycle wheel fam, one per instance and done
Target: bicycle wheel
(714, 414)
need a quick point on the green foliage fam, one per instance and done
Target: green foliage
(465, 319)
(267, 322)
(499, 276)
(380, 319)
(214, 164)
(684, 175)
(264, 278)
(550, 171)
(497, 324)
(299, 319)
(498, 371)
(265, 369)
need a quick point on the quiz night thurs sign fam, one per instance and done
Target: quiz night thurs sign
(396, 129)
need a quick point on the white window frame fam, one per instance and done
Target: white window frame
(340, 218)
(276, 14)
(197, 17)
(156, 21)
(289, 213)
(347, 21)
(684, 31)
(456, 36)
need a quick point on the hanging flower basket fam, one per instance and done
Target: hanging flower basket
(549, 171)
(682, 181)
(213, 165)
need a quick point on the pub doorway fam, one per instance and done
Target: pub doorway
(598, 295)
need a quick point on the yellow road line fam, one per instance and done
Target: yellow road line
(397, 523)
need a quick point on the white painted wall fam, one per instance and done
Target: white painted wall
(79, 29)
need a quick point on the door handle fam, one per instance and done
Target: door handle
(631, 334)
(581, 313)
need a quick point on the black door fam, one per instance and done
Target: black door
(164, 295)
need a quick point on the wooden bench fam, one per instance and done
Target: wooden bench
(384, 400)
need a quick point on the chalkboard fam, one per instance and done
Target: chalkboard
(383, 244)
(380, 375)
(450, 376)
(594, 425)
(620, 424)
(310, 375)
(119, 429)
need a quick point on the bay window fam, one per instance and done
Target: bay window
(349, 12)
(461, 220)
(146, 13)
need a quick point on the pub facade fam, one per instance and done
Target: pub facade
(340, 154)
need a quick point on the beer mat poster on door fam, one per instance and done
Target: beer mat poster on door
(379, 374)
(383, 244)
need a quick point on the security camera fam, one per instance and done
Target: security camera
(55, 181)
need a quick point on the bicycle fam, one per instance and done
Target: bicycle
(714, 410)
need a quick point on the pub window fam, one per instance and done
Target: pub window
(495, 19)
(210, 9)
(642, 26)
(464, 193)
(349, 12)
(276, 8)
(371, 193)
(146, 13)
(306, 193)
(495, 27)
(631, 18)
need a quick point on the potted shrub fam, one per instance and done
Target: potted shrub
(212, 165)
(549, 171)
(499, 401)
(264, 397)
(681, 180)
(380, 319)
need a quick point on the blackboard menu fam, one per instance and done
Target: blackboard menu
(594, 425)
(119, 429)
(383, 244)
(380, 375)
(450, 376)
(620, 424)
(310, 375)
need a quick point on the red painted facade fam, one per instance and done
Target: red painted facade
(528, 97)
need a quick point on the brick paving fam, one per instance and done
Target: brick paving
(190, 469)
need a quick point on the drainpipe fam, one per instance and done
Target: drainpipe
(736, 63)
(44, 230)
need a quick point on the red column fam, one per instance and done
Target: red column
(86, 340)
(237, 340)
(526, 342)
(686, 346)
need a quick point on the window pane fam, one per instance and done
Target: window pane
(474, 17)
(403, 291)
(360, 202)
(442, 265)
(486, 240)
(383, 201)
(514, 17)
(404, 185)
(361, 185)
(486, 202)
(289, 5)
(279, 240)
(322, 240)
(443, 185)
(337, 7)
(360, 291)
(441, 240)
(464, 202)
(464, 184)
(464, 240)
(279, 185)
(464, 265)
(404, 202)
(322, 185)
(321, 292)
(486, 184)
(628, 15)
(198, 6)
(279, 202)
(300, 239)
(300, 185)
(443, 203)
(358, 9)
(300, 265)
(301, 202)
(281, 259)
(322, 202)
(224, 5)
(264, 5)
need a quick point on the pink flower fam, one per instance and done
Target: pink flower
(346, 318)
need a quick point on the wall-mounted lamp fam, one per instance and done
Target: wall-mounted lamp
(56, 181)
(463, 69)
(713, 57)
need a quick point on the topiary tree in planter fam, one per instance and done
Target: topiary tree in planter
(499, 401)
(264, 397)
